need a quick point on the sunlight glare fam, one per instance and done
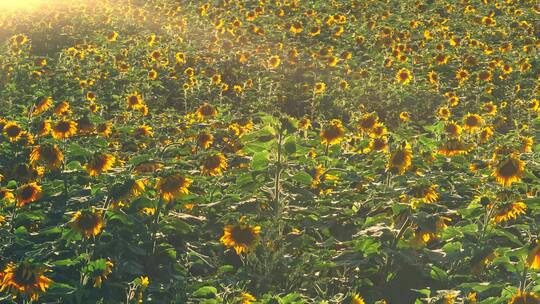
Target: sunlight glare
(21, 4)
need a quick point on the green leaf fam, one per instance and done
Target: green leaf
(205, 292)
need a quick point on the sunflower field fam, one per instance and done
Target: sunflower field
(270, 151)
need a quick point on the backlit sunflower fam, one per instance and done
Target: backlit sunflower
(533, 259)
(28, 193)
(214, 165)
(173, 186)
(240, 237)
(400, 159)
(206, 111)
(12, 131)
(333, 133)
(99, 163)
(87, 222)
(205, 140)
(472, 122)
(64, 129)
(509, 170)
(25, 280)
(506, 212)
(49, 154)
(525, 298)
(404, 76)
(43, 127)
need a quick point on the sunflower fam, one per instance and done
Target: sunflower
(102, 270)
(377, 144)
(149, 166)
(400, 160)
(87, 222)
(357, 299)
(28, 193)
(509, 170)
(490, 108)
(452, 129)
(471, 122)
(62, 109)
(12, 131)
(240, 237)
(525, 298)
(134, 101)
(143, 131)
(50, 154)
(100, 163)
(247, 298)
(24, 279)
(64, 129)
(433, 77)
(485, 134)
(379, 130)
(454, 147)
(427, 193)
(205, 140)
(206, 111)
(6, 195)
(533, 259)
(104, 129)
(43, 127)
(173, 186)
(508, 212)
(443, 113)
(526, 144)
(273, 62)
(214, 165)
(43, 105)
(404, 116)
(319, 88)
(333, 133)
(404, 76)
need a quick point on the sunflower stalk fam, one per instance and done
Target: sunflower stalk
(277, 187)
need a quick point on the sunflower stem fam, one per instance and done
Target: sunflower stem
(154, 228)
(277, 202)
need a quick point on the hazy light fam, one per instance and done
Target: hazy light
(21, 4)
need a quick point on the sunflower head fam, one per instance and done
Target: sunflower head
(12, 131)
(99, 163)
(241, 237)
(333, 133)
(214, 165)
(49, 154)
(205, 140)
(206, 111)
(472, 122)
(509, 170)
(525, 298)
(28, 193)
(86, 222)
(64, 129)
(173, 186)
(400, 159)
(24, 279)
(404, 76)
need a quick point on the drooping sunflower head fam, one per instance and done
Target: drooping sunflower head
(43, 127)
(28, 193)
(333, 133)
(24, 279)
(43, 105)
(452, 129)
(64, 129)
(87, 222)
(122, 193)
(241, 237)
(143, 131)
(100, 270)
(454, 147)
(509, 211)
(214, 165)
(173, 186)
(49, 154)
(206, 111)
(6, 196)
(427, 193)
(12, 131)
(99, 163)
(400, 159)
(509, 170)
